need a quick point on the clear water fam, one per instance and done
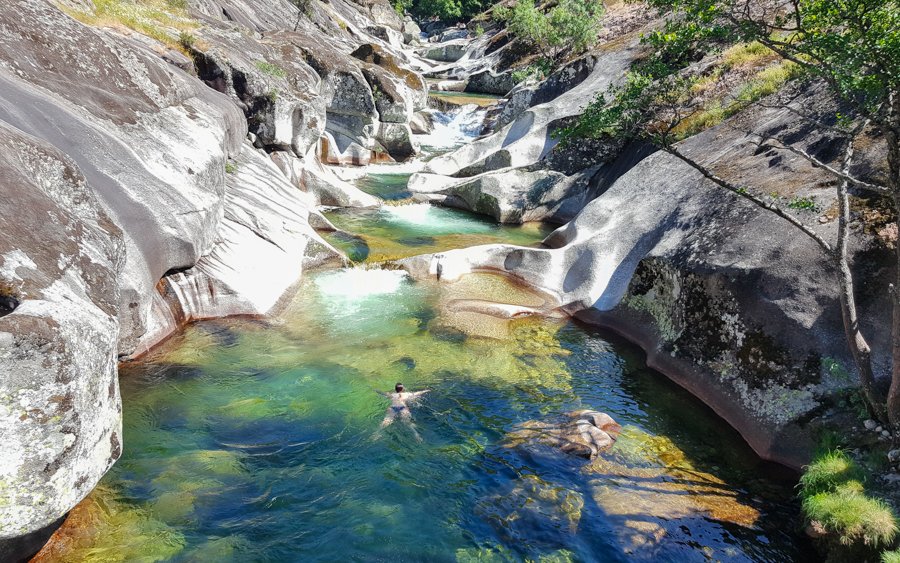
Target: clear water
(406, 229)
(259, 441)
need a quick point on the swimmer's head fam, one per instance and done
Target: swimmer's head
(399, 388)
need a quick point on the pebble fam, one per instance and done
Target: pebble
(878, 429)
(886, 433)
(894, 456)
(870, 424)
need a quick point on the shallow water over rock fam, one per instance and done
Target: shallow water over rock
(248, 440)
(400, 229)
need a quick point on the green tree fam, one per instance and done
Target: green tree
(570, 26)
(851, 45)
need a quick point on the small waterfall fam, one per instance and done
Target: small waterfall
(453, 128)
(359, 283)
(413, 213)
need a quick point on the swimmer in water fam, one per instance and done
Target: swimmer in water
(400, 400)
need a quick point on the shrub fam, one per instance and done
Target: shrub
(541, 70)
(890, 556)
(851, 514)
(571, 25)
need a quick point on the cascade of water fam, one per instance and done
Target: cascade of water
(453, 128)
(352, 284)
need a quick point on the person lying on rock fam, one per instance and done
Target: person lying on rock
(400, 401)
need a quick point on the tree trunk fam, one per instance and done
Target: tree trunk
(893, 140)
(859, 348)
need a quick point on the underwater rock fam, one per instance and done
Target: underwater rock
(583, 433)
(532, 503)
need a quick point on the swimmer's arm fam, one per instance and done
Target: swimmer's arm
(382, 393)
(420, 393)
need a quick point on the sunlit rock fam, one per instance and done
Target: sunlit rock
(583, 433)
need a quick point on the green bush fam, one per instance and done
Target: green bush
(890, 556)
(571, 25)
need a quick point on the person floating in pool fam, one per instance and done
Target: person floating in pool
(400, 401)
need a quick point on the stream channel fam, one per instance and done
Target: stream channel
(259, 440)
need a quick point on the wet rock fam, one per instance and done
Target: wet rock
(870, 424)
(583, 433)
(486, 82)
(534, 506)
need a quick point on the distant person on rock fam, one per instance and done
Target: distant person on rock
(400, 401)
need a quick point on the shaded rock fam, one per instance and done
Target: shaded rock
(269, 80)
(486, 82)
(583, 433)
(397, 139)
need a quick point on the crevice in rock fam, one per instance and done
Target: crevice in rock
(8, 299)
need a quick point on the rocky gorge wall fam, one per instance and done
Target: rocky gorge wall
(144, 187)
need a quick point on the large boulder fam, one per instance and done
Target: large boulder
(60, 255)
(446, 52)
(509, 195)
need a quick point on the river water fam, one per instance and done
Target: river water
(259, 440)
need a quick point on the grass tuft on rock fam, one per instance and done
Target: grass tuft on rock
(833, 495)
(828, 472)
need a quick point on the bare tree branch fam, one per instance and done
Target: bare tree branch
(722, 183)
(840, 174)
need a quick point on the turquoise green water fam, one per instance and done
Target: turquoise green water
(259, 441)
(407, 229)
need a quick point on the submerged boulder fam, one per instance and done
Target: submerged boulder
(582, 433)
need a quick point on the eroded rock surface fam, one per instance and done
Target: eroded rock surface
(60, 426)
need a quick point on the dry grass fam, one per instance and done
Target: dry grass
(167, 21)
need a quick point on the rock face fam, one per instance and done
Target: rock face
(583, 433)
(124, 138)
(60, 425)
